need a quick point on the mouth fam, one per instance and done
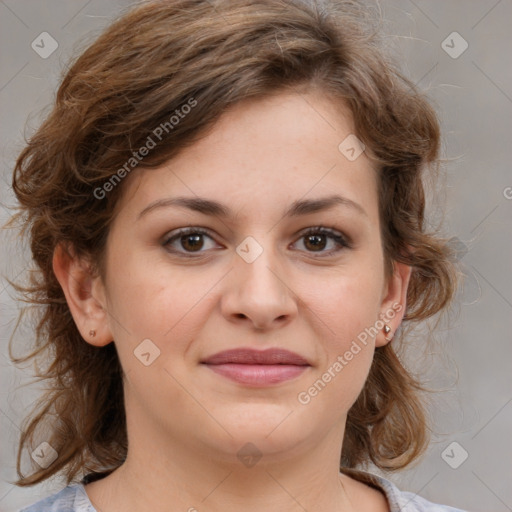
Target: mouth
(257, 368)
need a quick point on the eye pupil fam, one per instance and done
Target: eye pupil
(316, 241)
(197, 242)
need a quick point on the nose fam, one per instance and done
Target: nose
(258, 294)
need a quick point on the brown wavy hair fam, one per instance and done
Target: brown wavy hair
(154, 59)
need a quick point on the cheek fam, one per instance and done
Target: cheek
(349, 310)
(350, 301)
(348, 344)
(333, 392)
(148, 302)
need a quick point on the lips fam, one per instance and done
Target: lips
(257, 368)
(270, 356)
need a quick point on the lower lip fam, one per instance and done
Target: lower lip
(258, 374)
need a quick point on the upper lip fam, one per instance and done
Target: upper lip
(252, 356)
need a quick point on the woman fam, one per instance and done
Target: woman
(226, 207)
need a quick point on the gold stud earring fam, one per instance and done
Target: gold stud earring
(387, 330)
(92, 333)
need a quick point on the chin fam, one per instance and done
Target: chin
(271, 429)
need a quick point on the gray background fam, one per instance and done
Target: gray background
(468, 362)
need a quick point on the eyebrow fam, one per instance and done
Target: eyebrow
(214, 208)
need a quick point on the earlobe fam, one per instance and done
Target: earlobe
(394, 302)
(84, 294)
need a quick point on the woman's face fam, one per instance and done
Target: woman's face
(250, 279)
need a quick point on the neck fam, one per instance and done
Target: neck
(159, 475)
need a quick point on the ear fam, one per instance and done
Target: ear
(394, 302)
(85, 295)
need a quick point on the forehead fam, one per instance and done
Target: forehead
(262, 154)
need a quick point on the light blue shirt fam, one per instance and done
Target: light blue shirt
(73, 498)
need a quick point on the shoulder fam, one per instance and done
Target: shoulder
(410, 502)
(399, 501)
(414, 503)
(72, 498)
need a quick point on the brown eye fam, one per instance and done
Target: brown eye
(189, 240)
(318, 238)
(192, 242)
(315, 242)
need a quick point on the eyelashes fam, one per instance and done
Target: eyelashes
(193, 238)
(341, 240)
(186, 234)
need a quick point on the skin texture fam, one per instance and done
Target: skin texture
(185, 422)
